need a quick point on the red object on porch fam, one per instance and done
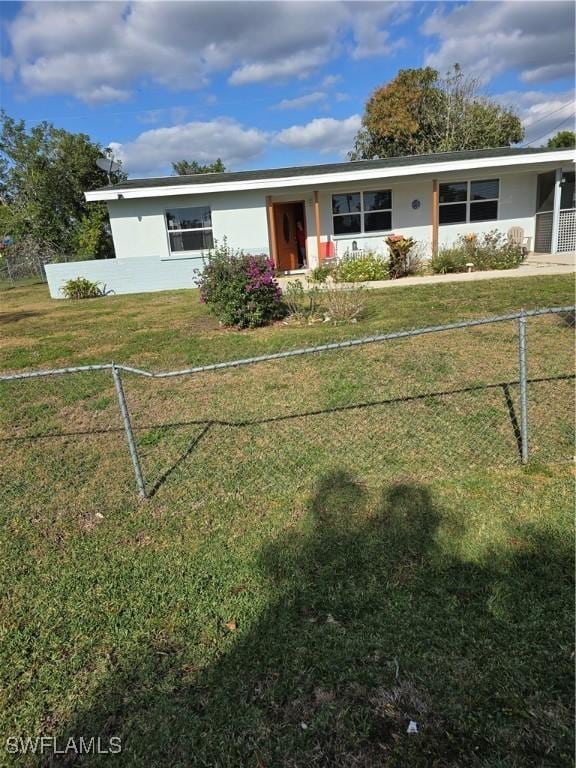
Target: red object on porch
(327, 250)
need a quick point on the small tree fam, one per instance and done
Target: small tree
(192, 167)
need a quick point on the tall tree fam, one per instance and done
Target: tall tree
(563, 139)
(191, 167)
(420, 112)
(44, 173)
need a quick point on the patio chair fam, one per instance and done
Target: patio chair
(516, 237)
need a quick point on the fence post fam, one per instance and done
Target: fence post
(129, 433)
(523, 386)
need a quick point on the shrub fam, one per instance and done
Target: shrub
(82, 288)
(302, 305)
(400, 263)
(448, 260)
(239, 289)
(359, 269)
(492, 250)
(321, 274)
(343, 304)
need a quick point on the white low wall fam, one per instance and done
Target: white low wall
(134, 275)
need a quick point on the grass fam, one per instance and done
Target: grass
(335, 545)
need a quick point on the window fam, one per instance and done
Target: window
(467, 201)
(190, 229)
(359, 212)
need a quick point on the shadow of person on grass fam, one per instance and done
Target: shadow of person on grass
(375, 624)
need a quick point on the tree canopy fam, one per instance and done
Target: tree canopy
(44, 172)
(191, 167)
(563, 139)
(419, 112)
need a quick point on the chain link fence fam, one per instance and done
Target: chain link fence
(247, 434)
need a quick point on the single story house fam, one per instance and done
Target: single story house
(162, 227)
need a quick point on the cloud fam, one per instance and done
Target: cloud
(535, 39)
(371, 29)
(98, 51)
(330, 80)
(326, 134)
(151, 153)
(300, 102)
(542, 113)
(299, 65)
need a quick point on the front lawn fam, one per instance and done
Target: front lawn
(334, 546)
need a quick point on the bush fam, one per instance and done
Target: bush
(359, 269)
(240, 290)
(343, 304)
(82, 288)
(492, 250)
(448, 260)
(302, 305)
(321, 274)
(401, 263)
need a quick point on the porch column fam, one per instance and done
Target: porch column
(317, 223)
(434, 217)
(556, 210)
(271, 230)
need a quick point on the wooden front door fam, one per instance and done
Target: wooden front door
(285, 217)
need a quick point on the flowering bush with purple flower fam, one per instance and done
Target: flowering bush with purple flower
(240, 289)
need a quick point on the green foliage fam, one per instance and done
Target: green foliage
(239, 289)
(321, 273)
(44, 173)
(448, 260)
(420, 111)
(491, 250)
(192, 167)
(82, 288)
(402, 261)
(563, 139)
(359, 269)
(302, 305)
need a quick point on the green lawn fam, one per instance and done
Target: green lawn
(335, 545)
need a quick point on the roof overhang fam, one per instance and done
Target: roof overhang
(354, 174)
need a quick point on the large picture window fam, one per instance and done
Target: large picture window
(190, 229)
(461, 202)
(358, 212)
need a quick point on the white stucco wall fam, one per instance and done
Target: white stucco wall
(517, 204)
(139, 228)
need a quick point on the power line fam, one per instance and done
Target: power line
(549, 114)
(527, 144)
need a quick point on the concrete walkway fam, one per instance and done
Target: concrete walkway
(535, 264)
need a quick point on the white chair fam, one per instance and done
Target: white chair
(516, 237)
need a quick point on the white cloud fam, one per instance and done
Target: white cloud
(299, 65)
(326, 134)
(372, 30)
(542, 113)
(487, 38)
(300, 102)
(151, 153)
(331, 80)
(100, 51)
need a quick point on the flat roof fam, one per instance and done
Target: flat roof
(303, 174)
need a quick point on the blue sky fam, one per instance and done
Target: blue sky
(265, 84)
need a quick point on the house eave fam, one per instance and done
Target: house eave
(324, 179)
